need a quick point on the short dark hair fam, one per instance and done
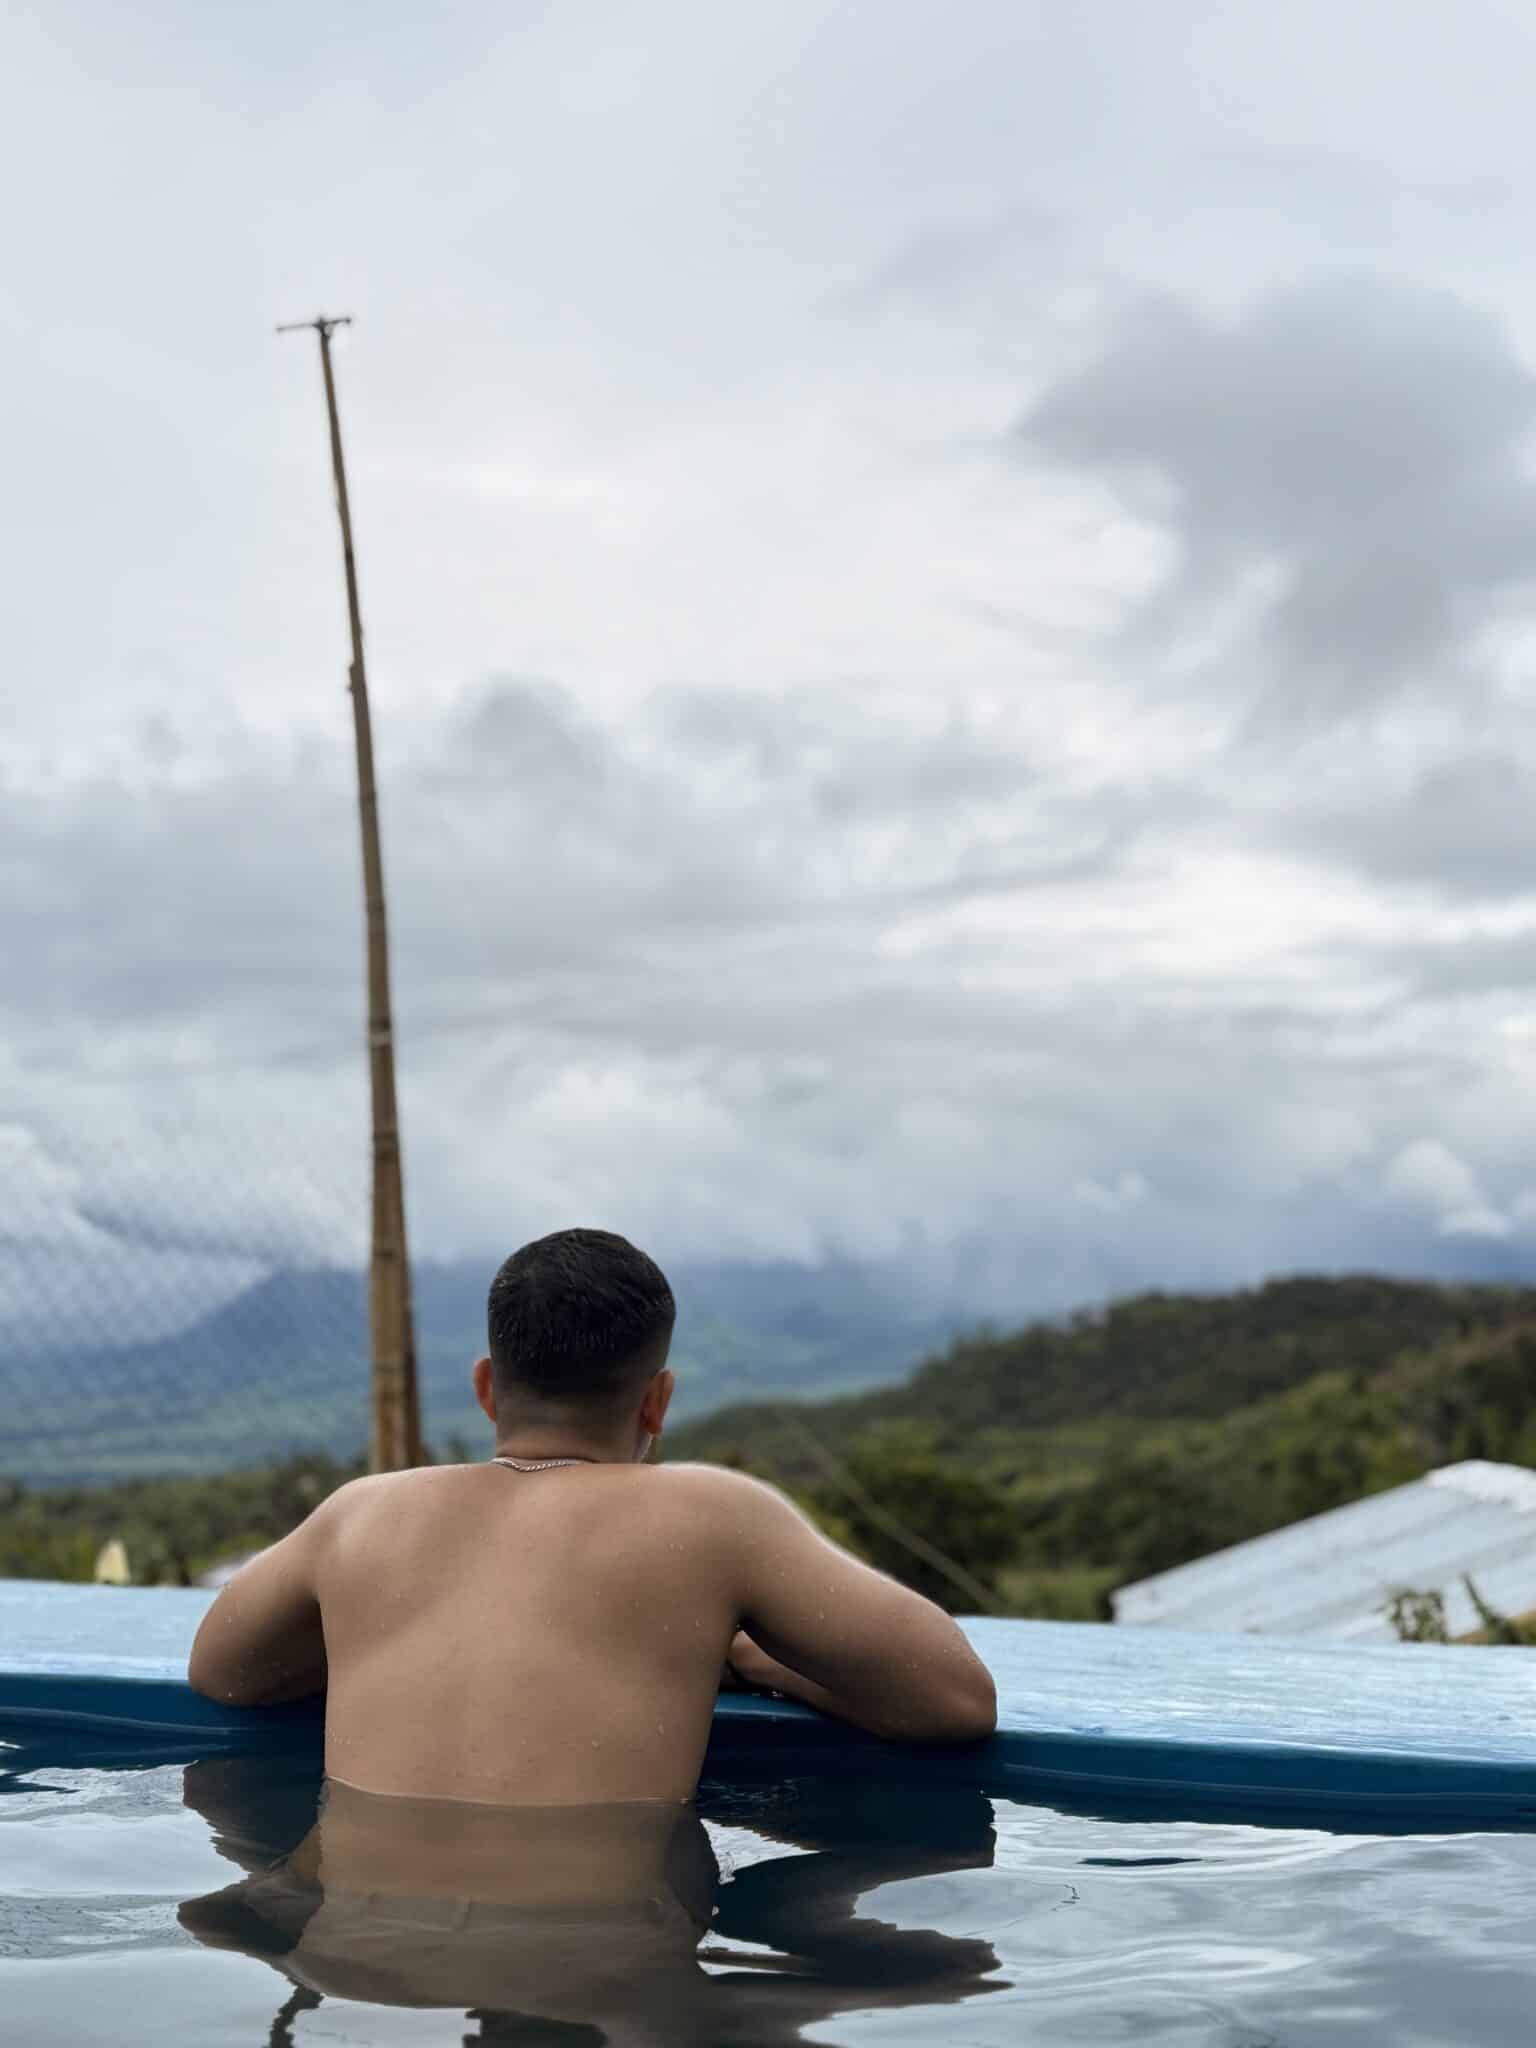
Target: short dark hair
(576, 1316)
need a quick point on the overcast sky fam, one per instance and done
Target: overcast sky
(949, 597)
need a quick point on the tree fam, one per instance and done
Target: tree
(943, 1505)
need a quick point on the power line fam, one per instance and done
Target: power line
(884, 1520)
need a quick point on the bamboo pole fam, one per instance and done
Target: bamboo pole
(396, 1433)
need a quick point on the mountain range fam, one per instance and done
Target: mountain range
(283, 1367)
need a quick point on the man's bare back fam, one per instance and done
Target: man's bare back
(548, 1636)
(558, 1637)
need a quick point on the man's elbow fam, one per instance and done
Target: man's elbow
(205, 1676)
(213, 1687)
(212, 1672)
(250, 1689)
(966, 1712)
(976, 1709)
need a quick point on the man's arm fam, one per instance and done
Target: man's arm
(261, 1642)
(841, 1636)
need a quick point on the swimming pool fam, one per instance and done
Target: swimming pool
(1172, 1838)
(152, 1902)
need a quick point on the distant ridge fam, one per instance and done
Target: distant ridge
(1161, 1357)
(282, 1368)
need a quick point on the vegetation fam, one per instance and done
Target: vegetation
(172, 1529)
(1419, 1617)
(925, 1520)
(1170, 1426)
(1501, 1628)
(1042, 1467)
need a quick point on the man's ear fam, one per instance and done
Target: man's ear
(485, 1387)
(656, 1401)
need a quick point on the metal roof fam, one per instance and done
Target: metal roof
(1333, 1574)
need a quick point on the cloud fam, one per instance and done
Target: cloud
(1429, 1177)
(1124, 1192)
(804, 830)
(64, 1270)
(1356, 445)
(525, 841)
(1465, 966)
(842, 973)
(836, 974)
(991, 265)
(1429, 1173)
(665, 935)
(1457, 826)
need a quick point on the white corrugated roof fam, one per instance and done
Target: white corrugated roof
(1333, 1574)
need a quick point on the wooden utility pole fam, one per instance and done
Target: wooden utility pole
(396, 1435)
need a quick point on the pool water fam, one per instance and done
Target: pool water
(169, 1903)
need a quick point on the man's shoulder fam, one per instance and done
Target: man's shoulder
(718, 1488)
(374, 1492)
(721, 1478)
(689, 1486)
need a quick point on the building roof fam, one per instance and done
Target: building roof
(1333, 1574)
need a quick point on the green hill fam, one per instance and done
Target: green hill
(1162, 1428)
(1150, 1358)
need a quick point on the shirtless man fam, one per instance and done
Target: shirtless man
(551, 1627)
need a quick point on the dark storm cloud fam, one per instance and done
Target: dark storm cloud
(1361, 439)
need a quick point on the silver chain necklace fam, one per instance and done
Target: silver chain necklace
(540, 1464)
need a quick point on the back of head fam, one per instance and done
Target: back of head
(579, 1319)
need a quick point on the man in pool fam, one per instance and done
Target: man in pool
(551, 1627)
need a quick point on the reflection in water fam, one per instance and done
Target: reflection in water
(590, 1924)
(1183, 1929)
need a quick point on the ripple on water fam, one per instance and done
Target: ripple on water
(1014, 1923)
